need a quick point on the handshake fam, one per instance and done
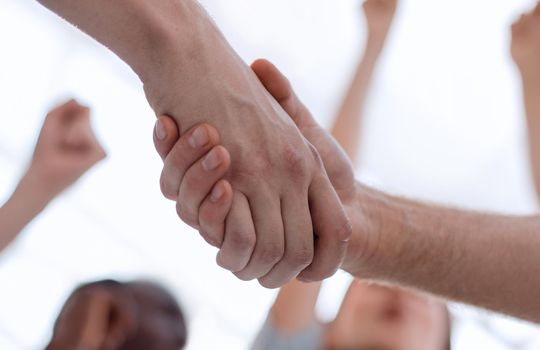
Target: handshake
(286, 216)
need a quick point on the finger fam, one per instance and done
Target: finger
(273, 81)
(199, 180)
(298, 241)
(332, 230)
(240, 238)
(277, 84)
(166, 134)
(189, 148)
(270, 244)
(213, 213)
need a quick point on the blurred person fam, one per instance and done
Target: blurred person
(111, 315)
(66, 149)
(525, 51)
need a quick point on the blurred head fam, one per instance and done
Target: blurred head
(121, 316)
(374, 317)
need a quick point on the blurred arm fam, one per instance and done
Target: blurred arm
(531, 92)
(347, 124)
(25, 204)
(294, 308)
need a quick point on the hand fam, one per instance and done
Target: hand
(281, 196)
(65, 150)
(215, 207)
(525, 46)
(95, 318)
(379, 16)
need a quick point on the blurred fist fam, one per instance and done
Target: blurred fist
(95, 318)
(66, 148)
(525, 47)
(379, 15)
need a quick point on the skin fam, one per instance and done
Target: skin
(370, 315)
(525, 51)
(119, 316)
(348, 123)
(280, 191)
(482, 259)
(66, 149)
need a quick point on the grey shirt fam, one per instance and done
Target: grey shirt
(269, 338)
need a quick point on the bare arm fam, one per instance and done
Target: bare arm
(531, 92)
(486, 260)
(191, 73)
(65, 150)
(347, 125)
(482, 259)
(294, 308)
(525, 51)
(25, 204)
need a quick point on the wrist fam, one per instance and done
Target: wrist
(374, 245)
(33, 190)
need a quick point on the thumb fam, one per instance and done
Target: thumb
(280, 88)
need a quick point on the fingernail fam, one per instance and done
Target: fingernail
(217, 193)
(161, 132)
(199, 138)
(211, 161)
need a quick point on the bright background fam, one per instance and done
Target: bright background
(444, 123)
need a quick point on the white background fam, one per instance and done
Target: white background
(444, 123)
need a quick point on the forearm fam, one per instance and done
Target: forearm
(294, 308)
(490, 261)
(188, 69)
(25, 204)
(347, 125)
(531, 94)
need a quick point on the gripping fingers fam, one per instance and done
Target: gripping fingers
(239, 240)
(298, 241)
(332, 229)
(189, 148)
(213, 213)
(270, 245)
(198, 182)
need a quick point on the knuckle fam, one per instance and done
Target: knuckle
(301, 257)
(186, 215)
(243, 276)
(343, 232)
(271, 253)
(242, 240)
(268, 284)
(294, 162)
(166, 188)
